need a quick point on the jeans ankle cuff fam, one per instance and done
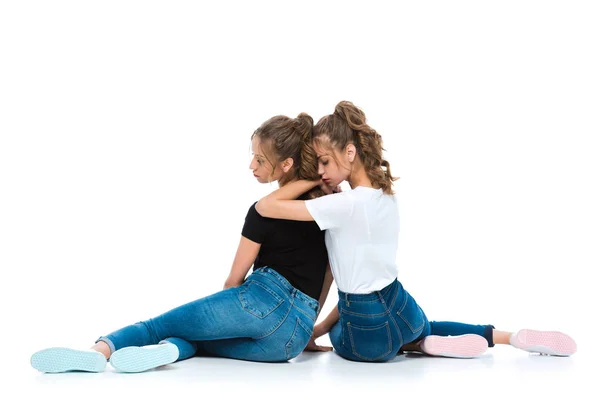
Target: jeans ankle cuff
(488, 334)
(109, 342)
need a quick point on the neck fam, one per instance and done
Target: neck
(359, 178)
(285, 182)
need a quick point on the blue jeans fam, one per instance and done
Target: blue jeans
(264, 319)
(374, 326)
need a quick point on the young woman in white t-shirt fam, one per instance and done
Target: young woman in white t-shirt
(376, 317)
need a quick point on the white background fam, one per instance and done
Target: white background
(124, 155)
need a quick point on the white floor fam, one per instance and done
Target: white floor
(503, 372)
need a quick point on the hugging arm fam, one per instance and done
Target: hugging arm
(279, 204)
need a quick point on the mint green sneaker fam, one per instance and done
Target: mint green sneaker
(63, 359)
(140, 359)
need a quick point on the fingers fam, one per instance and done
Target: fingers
(324, 348)
(326, 189)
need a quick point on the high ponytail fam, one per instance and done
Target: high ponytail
(348, 124)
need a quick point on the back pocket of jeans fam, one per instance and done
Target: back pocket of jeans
(370, 343)
(258, 299)
(411, 314)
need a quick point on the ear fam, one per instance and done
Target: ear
(287, 164)
(351, 152)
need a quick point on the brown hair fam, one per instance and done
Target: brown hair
(283, 137)
(348, 124)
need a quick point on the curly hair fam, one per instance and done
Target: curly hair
(348, 124)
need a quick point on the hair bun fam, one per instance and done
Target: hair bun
(353, 115)
(304, 125)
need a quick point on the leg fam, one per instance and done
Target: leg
(453, 339)
(245, 311)
(445, 328)
(219, 316)
(287, 341)
(239, 349)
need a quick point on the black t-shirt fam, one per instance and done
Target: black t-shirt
(295, 249)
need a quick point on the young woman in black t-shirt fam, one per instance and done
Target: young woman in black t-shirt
(269, 316)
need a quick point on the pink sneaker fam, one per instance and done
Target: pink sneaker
(462, 346)
(544, 342)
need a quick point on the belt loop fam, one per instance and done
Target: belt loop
(347, 301)
(380, 297)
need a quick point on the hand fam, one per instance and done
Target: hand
(312, 346)
(229, 284)
(328, 189)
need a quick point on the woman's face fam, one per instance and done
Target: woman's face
(334, 166)
(261, 167)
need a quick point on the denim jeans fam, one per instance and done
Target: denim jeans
(373, 327)
(264, 319)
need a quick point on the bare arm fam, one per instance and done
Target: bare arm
(312, 346)
(244, 258)
(328, 323)
(321, 329)
(279, 204)
(326, 286)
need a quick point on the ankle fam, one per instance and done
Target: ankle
(103, 348)
(501, 337)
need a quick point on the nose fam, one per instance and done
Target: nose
(321, 170)
(252, 163)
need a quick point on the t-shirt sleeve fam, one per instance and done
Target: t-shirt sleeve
(255, 227)
(330, 211)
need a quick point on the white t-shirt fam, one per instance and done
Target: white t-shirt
(361, 236)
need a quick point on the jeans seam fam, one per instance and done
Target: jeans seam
(363, 301)
(399, 313)
(364, 315)
(274, 279)
(278, 325)
(391, 316)
(287, 345)
(299, 325)
(313, 318)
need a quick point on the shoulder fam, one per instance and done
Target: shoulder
(253, 215)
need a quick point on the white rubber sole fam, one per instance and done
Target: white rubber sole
(462, 346)
(140, 359)
(63, 359)
(551, 343)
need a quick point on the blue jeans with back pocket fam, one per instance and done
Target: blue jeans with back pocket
(264, 319)
(373, 327)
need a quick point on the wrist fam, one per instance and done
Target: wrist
(231, 282)
(320, 330)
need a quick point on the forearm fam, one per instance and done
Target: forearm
(332, 318)
(235, 278)
(291, 191)
(244, 259)
(327, 281)
(282, 204)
